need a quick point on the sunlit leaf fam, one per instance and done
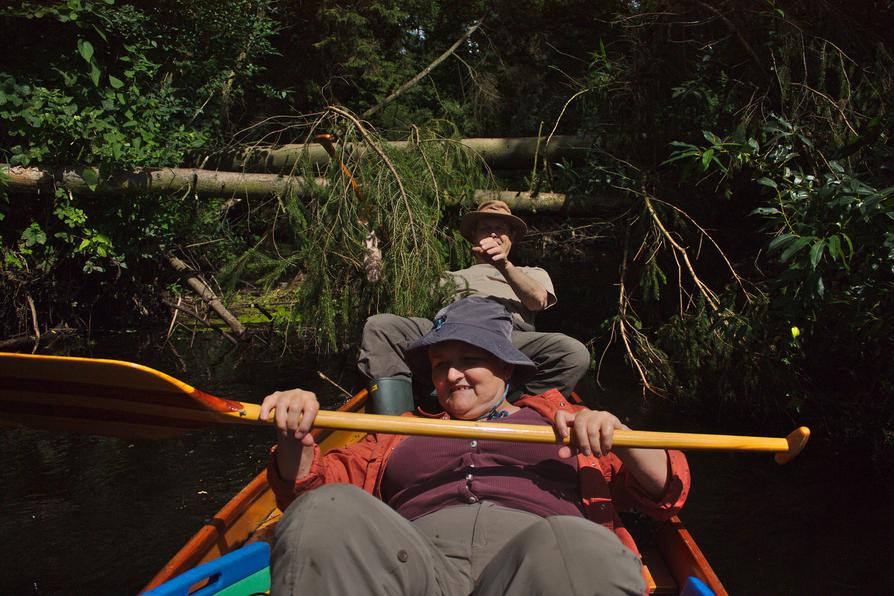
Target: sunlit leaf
(816, 252)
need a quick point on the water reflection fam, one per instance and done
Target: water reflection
(101, 515)
(820, 524)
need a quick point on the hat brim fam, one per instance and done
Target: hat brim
(469, 224)
(416, 354)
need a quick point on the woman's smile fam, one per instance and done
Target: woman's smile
(468, 380)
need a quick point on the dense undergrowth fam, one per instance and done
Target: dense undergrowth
(746, 268)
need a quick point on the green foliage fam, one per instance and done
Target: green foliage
(790, 175)
(108, 87)
(105, 108)
(323, 241)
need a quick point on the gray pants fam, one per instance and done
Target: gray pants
(340, 540)
(561, 360)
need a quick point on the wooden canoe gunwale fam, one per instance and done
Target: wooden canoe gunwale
(234, 524)
(683, 557)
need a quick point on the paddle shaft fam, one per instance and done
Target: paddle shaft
(524, 433)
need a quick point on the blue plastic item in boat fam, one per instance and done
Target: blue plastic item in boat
(242, 572)
(696, 587)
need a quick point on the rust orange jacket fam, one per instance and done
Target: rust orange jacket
(605, 486)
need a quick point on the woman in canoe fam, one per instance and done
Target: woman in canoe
(423, 515)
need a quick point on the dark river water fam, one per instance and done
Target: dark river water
(95, 515)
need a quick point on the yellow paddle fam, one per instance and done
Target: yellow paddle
(112, 397)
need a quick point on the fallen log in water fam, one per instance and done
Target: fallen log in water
(207, 295)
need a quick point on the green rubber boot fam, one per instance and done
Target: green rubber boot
(391, 396)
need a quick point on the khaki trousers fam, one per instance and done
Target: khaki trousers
(561, 361)
(340, 540)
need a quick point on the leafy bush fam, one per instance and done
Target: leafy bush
(108, 88)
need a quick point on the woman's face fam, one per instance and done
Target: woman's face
(469, 381)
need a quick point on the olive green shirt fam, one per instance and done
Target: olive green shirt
(486, 280)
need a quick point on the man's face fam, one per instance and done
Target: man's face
(491, 225)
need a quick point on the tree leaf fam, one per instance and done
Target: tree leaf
(85, 48)
(767, 182)
(779, 241)
(816, 252)
(95, 73)
(794, 247)
(706, 158)
(90, 177)
(115, 82)
(835, 247)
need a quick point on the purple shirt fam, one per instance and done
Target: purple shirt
(425, 474)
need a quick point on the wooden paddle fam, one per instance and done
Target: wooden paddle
(112, 397)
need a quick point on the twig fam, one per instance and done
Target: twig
(14, 343)
(336, 385)
(431, 172)
(536, 186)
(622, 317)
(205, 242)
(400, 90)
(831, 101)
(177, 355)
(34, 323)
(205, 322)
(709, 295)
(174, 319)
(729, 265)
(263, 310)
(559, 119)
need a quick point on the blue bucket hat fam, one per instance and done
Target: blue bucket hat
(477, 321)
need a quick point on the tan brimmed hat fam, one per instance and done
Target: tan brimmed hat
(496, 209)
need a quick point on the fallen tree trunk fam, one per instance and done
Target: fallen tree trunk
(553, 203)
(159, 181)
(499, 153)
(173, 180)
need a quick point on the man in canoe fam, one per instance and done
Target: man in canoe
(492, 230)
(424, 515)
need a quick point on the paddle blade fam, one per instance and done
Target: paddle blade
(103, 397)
